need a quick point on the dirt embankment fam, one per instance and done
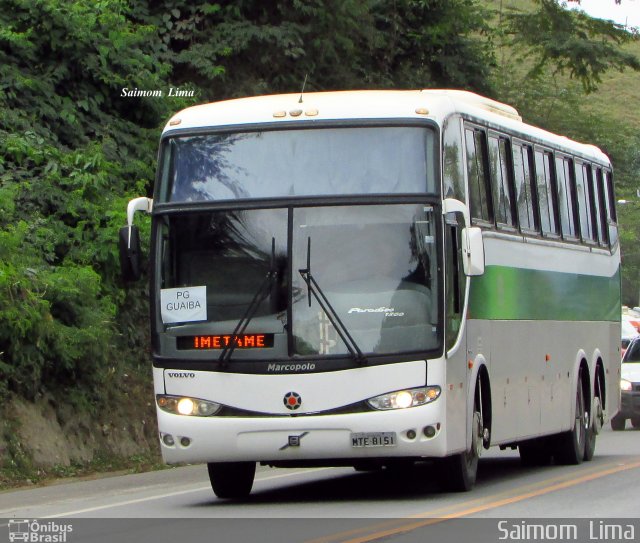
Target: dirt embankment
(46, 435)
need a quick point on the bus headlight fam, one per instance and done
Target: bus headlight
(625, 385)
(402, 399)
(191, 407)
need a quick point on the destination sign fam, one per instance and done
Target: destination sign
(241, 341)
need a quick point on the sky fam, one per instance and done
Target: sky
(627, 12)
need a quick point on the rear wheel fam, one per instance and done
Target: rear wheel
(597, 421)
(231, 479)
(635, 422)
(618, 423)
(570, 446)
(535, 452)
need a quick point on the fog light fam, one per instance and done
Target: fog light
(185, 441)
(168, 440)
(411, 434)
(429, 431)
(185, 406)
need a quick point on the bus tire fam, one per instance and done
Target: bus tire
(462, 468)
(461, 471)
(570, 446)
(231, 479)
(597, 420)
(635, 422)
(535, 452)
(618, 423)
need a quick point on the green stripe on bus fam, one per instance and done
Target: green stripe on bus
(504, 293)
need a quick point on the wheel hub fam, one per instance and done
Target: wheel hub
(477, 434)
(598, 415)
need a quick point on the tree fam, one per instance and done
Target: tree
(570, 42)
(249, 47)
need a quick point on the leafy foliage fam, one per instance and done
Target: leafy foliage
(73, 149)
(253, 47)
(571, 42)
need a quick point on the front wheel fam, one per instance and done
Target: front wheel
(461, 471)
(462, 468)
(231, 479)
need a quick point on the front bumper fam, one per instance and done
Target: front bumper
(301, 438)
(630, 402)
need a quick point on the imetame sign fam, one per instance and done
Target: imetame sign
(187, 304)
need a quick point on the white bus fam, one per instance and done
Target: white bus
(372, 278)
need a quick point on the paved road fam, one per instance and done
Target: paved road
(607, 487)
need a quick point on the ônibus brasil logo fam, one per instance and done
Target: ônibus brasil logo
(34, 531)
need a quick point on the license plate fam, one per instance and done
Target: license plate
(373, 439)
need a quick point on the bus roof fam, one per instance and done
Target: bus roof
(434, 104)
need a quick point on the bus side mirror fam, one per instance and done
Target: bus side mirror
(129, 245)
(129, 240)
(473, 249)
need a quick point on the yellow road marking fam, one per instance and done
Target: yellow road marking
(391, 527)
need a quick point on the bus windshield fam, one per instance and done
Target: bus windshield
(375, 264)
(302, 162)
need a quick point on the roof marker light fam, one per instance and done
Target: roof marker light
(311, 112)
(174, 122)
(279, 114)
(295, 112)
(422, 111)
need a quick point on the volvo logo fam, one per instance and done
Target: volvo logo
(292, 400)
(181, 375)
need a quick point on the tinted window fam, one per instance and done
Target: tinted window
(374, 266)
(565, 197)
(633, 352)
(583, 197)
(289, 163)
(500, 170)
(453, 167)
(611, 208)
(546, 201)
(479, 195)
(524, 189)
(597, 197)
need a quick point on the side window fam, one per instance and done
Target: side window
(597, 197)
(500, 182)
(522, 166)
(583, 176)
(611, 208)
(545, 183)
(479, 195)
(564, 168)
(455, 278)
(453, 172)
(601, 206)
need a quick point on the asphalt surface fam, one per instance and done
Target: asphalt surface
(339, 504)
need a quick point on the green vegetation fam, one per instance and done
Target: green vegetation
(73, 150)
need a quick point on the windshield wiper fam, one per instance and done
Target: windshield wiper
(262, 292)
(314, 288)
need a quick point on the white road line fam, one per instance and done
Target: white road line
(170, 494)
